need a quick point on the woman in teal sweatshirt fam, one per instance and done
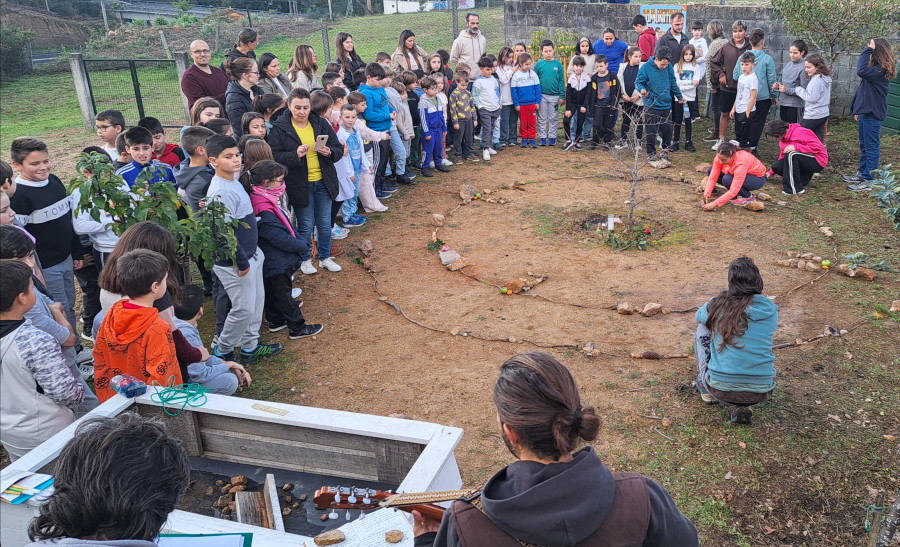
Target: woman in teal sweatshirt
(733, 343)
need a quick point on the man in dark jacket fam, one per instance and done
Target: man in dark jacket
(721, 69)
(674, 38)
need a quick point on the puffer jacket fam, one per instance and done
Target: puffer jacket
(238, 103)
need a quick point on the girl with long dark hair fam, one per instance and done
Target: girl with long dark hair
(733, 343)
(348, 58)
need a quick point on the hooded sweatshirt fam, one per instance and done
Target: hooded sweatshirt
(749, 359)
(764, 68)
(194, 181)
(723, 63)
(804, 141)
(75, 542)
(378, 109)
(468, 49)
(536, 503)
(793, 75)
(647, 43)
(871, 95)
(817, 96)
(659, 83)
(39, 394)
(134, 340)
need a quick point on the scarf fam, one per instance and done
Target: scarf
(262, 200)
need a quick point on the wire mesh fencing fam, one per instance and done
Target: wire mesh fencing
(137, 88)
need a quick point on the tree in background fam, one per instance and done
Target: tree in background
(13, 58)
(837, 27)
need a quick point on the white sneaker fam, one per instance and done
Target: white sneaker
(492, 151)
(445, 162)
(486, 155)
(330, 265)
(307, 268)
(431, 165)
(717, 145)
(295, 293)
(338, 232)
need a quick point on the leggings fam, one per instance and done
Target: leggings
(528, 121)
(751, 182)
(817, 126)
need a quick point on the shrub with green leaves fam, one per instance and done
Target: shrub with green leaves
(886, 189)
(205, 235)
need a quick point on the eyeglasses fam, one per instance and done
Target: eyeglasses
(200, 52)
(103, 127)
(254, 72)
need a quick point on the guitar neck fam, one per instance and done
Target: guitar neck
(420, 498)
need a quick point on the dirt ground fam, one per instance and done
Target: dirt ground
(801, 475)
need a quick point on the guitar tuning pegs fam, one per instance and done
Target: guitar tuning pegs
(347, 516)
(337, 498)
(333, 515)
(362, 515)
(352, 499)
(366, 500)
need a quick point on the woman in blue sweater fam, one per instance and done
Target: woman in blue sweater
(733, 343)
(877, 67)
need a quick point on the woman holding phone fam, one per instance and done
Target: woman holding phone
(297, 142)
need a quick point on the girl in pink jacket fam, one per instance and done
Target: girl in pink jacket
(802, 155)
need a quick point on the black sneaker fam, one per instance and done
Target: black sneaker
(262, 350)
(403, 180)
(442, 168)
(853, 179)
(276, 328)
(567, 145)
(426, 172)
(742, 415)
(674, 147)
(305, 331)
(689, 146)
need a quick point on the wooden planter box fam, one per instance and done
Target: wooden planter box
(416, 455)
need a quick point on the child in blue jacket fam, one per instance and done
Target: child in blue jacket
(378, 115)
(733, 343)
(526, 95)
(657, 84)
(433, 126)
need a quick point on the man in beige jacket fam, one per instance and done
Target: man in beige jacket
(469, 46)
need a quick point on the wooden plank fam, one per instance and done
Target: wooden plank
(290, 466)
(339, 461)
(250, 508)
(394, 459)
(276, 522)
(286, 432)
(184, 426)
(365, 425)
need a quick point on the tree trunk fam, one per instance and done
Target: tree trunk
(889, 526)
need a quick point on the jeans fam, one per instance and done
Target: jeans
(751, 182)
(869, 145)
(348, 209)
(318, 214)
(574, 124)
(60, 282)
(548, 117)
(399, 150)
(247, 296)
(509, 119)
(415, 146)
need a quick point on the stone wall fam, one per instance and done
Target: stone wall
(584, 19)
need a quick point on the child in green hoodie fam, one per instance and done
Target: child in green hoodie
(733, 343)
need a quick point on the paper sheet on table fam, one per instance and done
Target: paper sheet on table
(369, 532)
(205, 540)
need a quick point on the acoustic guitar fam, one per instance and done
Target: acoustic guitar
(343, 497)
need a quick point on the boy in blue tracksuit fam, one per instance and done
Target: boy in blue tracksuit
(378, 115)
(433, 127)
(139, 144)
(656, 82)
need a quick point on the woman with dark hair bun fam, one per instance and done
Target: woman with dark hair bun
(733, 343)
(247, 41)
(554, 495)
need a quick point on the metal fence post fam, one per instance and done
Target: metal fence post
(137, 88)
(326, 45)
(181, 64)
(454, 6)
(83, 89)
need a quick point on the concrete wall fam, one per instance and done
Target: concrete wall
(523, 17)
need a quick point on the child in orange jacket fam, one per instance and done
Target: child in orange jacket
(133, 338)
(739, 171)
